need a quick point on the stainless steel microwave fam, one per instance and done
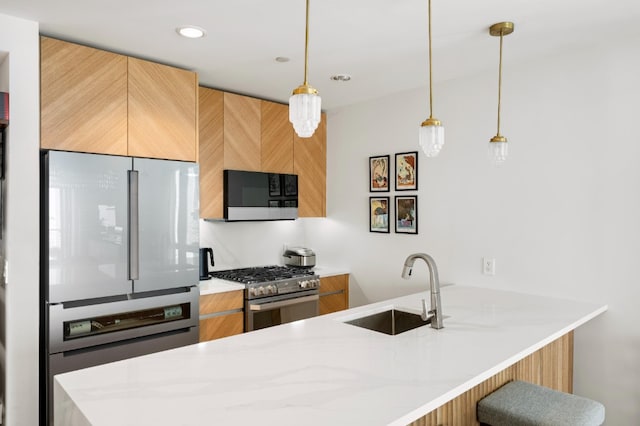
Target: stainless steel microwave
(260, 196)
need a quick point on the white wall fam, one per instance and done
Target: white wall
(560, 217)
(20, 39)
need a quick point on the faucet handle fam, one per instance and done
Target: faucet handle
(424, 315)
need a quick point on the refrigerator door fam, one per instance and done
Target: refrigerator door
(85, 225)
(168, 228)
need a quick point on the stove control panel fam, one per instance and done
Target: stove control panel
(283, 286)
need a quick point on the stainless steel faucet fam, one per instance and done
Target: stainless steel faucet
(435, 314)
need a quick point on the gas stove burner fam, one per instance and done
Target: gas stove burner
(266, 281)
(259, 274)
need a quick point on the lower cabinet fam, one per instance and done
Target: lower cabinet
(221, 315)
(334, 293)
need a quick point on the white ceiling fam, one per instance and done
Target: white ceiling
(381, 43)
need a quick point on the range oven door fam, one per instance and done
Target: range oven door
(281, 309)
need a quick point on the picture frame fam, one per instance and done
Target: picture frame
(379, 214)
(406, 214)
(406, 171)
(379, 173)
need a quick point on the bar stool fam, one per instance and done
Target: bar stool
(524, 404)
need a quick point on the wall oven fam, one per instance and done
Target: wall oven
(275, 295)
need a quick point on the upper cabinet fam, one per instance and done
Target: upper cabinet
(102, 102)
(162, 111)
(211, 157)
(244, 133)
(310, 164)
(277, 138)
(83, 98)
(241, 132)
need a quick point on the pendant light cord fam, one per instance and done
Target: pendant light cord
(430, 69)
(500, 81)
(306, 45)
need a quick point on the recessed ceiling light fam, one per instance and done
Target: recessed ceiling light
(282, 59)
(191, 31)
(341, 77)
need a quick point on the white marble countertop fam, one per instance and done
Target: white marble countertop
(321, 371)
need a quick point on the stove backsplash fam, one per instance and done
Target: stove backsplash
(241, 244)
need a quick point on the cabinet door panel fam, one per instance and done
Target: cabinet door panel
(83, 98)
(211, 148)
(220, 302)
(241, 132)
(162, 111)
(277, 138)
(221, 326)
(310, 164)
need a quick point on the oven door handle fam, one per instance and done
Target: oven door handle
(281, 304)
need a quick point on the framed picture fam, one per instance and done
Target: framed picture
(407, 171)
(379, 173)
(407, 214)
(379, 214)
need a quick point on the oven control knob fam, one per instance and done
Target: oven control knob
(252, 292)
(304, 284)
(272, 289)
(260, 290)
(315, 283)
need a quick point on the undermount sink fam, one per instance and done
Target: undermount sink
(390, 322)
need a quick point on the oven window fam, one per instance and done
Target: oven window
(269, 317)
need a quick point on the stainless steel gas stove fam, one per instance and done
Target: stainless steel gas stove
(275, 295)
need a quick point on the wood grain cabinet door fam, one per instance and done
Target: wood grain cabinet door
(310, 164)
(241, 132)
(83, 98)
(211, 147)
(334, 293)
(162, 111)
(277, 138)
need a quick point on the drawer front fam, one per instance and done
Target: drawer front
(220, 302)
(221, 326)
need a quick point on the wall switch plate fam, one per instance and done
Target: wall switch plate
(488, 265)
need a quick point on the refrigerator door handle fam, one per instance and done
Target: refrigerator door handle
(133, 226)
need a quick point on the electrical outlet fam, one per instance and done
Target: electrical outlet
(488, 266)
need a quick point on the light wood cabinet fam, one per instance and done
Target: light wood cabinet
(241, 132)
(211, 157)
(83, 98)
(221, 315)
(334, 293)
(162, 111)
(276, 138)
(310, 164)
(101, 102)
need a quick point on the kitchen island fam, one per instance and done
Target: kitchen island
(322, 371)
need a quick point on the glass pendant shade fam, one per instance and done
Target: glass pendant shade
(304, 113)
(431, 138)
(498, 150)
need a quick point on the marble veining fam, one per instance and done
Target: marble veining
(322, 371)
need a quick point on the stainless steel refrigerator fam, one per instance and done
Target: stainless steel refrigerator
(119, 260)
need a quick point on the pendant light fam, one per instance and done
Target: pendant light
(431, 133)
(305, 103)
(498, 148)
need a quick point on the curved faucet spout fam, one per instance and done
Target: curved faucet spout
(434, 287)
